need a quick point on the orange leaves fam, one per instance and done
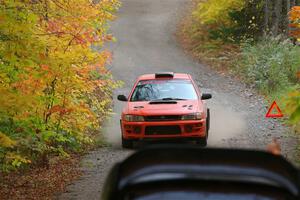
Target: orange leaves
(294, 16)
(79, 22)
(55, 27)
(108, 37)
(86, 37)
(45, 68)
(28, 85)
(34, 79)
(59, 109)
(55, 109)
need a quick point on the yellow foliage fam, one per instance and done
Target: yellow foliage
(5, 141)
(16, 160)
(216, 11)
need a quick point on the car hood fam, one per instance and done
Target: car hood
(175, 108)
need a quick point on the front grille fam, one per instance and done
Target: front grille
(162, 118)
(162, 130)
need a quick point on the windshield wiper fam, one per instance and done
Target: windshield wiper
(169, 99)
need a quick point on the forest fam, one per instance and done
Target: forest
(256, 40)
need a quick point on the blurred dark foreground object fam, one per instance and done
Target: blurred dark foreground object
(184, 173)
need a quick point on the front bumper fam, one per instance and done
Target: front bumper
(164, 129)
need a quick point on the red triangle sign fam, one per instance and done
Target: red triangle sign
(271, 114)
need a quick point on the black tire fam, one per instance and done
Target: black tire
(203, 141)
(207, 122)
(128, 144)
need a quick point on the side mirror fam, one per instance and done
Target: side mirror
(206, 96)
(122, 98)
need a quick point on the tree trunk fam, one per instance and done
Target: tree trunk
(266, 15)
(288, 8)
(277, 9)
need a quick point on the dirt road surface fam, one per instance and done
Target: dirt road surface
(146, 43)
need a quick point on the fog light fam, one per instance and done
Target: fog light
(127, 127)
(136, 129)
(198, 125)
(188, 128)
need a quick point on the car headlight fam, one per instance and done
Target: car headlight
(192, 116)
(134, 118)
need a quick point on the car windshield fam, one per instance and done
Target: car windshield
(175, 89)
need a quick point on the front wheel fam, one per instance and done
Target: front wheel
(207, 121)
(202, 141)
(128, 144)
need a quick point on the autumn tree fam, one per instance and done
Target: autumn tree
(294, 17)
(53, 82)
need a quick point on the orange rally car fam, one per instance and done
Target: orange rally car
(164, 106)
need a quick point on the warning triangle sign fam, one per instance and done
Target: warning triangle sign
(274, 111)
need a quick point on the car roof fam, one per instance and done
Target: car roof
(176, 76)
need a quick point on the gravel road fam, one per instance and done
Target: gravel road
(145, 30)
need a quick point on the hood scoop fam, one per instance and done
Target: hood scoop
(189, 107)
(138, 107)
(163, 102)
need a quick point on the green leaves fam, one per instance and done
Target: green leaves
(52, 136)
(293, 106)
(295, 116)
(270, 64)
